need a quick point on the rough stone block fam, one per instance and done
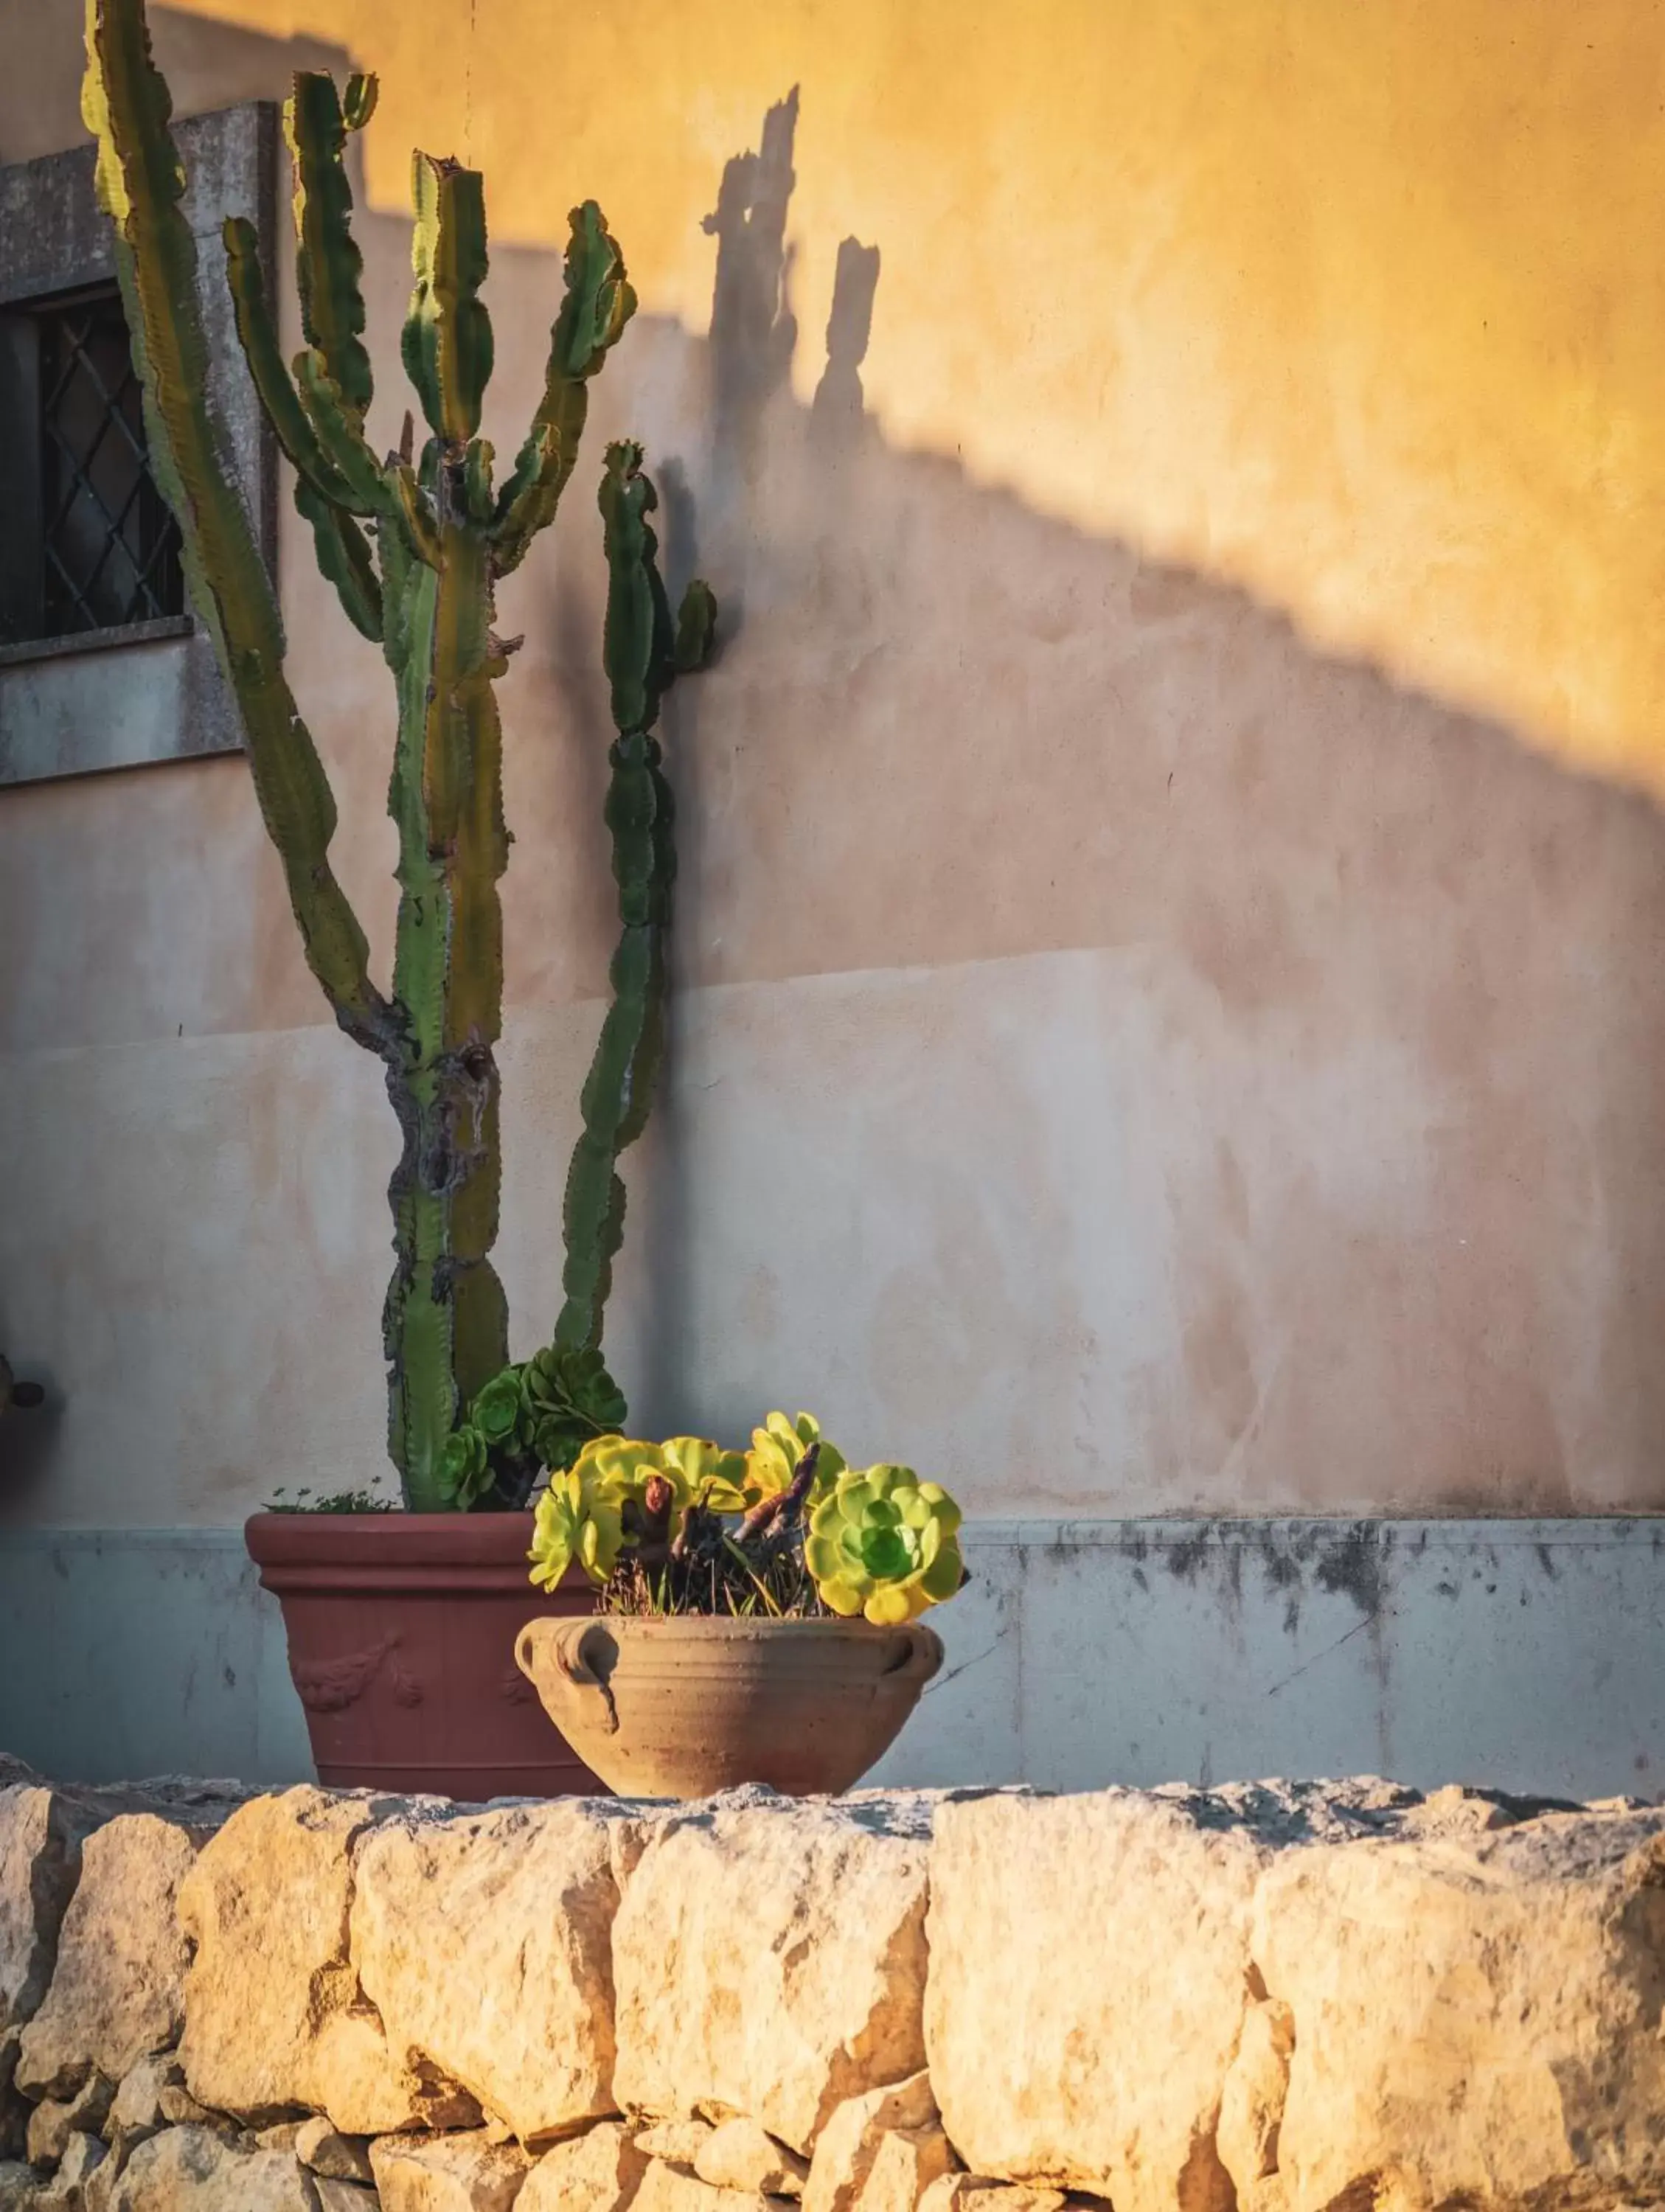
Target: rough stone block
(40, 1858)
(179, 2108)
(967, 2192)
(485, 1941)
(740, 2154)
(905, 2164)
(334, 2196)
(850, 2143)
(1256, 2088)
(598, 2172)
(667, 2187)
(71, 2187)
(769, 1958)
(137, 2102)
(323, 2149)
(53, 2123)
(275, 2018)
(447, 2174)
(1475, 2018)
(679, 2142)
(117, 1991)
(193, 2170)
(1089, 1972)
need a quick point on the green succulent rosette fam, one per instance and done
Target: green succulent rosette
(465, 1470)
(567, 1397)
(776, 1449)
(884, 1544)
(574, 1519)
(498, 1413)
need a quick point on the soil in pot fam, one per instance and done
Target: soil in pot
(687, 1705)
(401, 1631)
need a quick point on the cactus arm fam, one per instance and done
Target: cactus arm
(342, 554)
(126, 106)
(640, 653)
(322, 494)
(597, 302)
(534, 506)
(258, 338)
(339, 436)
(328, 264)
(414, 515)
(446, 342)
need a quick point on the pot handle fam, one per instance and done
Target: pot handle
(550, 1653)
(918, 1654)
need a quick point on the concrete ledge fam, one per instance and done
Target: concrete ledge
(1520, 1654)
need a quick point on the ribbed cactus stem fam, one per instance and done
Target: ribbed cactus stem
(643, 654)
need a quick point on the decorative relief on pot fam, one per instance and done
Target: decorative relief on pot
(330, 1685)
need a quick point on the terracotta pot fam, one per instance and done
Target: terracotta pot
(402, 1629)
(684, 1706)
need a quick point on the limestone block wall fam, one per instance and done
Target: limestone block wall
(1281, 1997)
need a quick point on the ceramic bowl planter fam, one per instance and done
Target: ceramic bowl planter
(402, 1633)
(685, 1706)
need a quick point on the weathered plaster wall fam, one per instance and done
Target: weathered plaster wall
(1172, 1019)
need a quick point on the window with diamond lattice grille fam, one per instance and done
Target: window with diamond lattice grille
(101, 665)
(110, 549)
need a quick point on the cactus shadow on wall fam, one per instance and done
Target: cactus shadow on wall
(1356, 930)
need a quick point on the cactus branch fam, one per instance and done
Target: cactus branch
(596, 305)
(340, 438)
(258, 336)
(126, 106)
(328, 264)
(343, 557)
(447, 344)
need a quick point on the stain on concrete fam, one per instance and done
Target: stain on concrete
(1357, 1564)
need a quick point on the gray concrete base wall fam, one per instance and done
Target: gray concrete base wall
(1521, 1654)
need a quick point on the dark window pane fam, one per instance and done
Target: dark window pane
(111, 547)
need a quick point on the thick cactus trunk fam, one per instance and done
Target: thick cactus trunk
(446, 1320)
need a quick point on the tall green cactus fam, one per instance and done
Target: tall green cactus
(414, 547)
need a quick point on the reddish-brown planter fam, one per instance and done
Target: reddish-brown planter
(402, 1629)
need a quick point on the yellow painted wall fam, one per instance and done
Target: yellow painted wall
(1357, 302)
